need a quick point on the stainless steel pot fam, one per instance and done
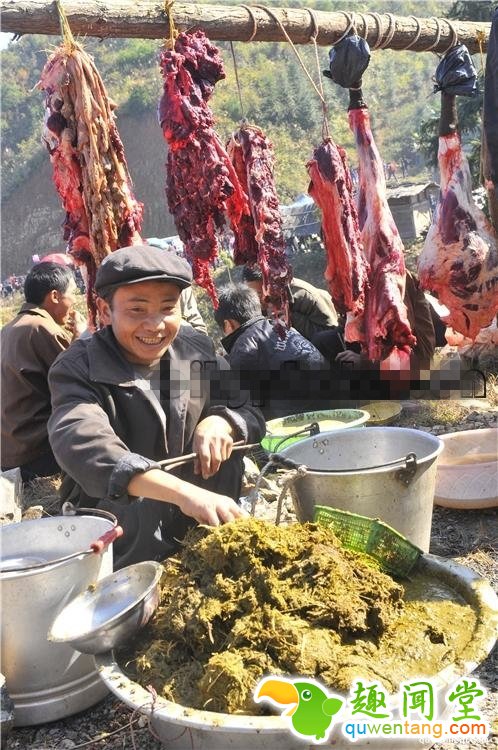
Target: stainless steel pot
(381, 472)
(48, 681)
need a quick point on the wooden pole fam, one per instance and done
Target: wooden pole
(147, 20)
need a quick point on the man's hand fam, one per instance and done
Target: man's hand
(213, 444)
(205, 506)
(75, 324)
(209, 508)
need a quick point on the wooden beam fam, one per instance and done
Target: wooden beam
(147, 20)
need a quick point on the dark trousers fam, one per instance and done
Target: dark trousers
(44, 466)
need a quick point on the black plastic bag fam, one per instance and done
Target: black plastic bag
(456, 74)
(348, 61)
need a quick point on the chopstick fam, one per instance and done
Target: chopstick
(170, 463)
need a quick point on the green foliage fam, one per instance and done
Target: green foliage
(472, 10)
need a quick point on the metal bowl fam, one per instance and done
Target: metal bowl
(109, 611)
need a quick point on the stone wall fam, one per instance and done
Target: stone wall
(32, 215)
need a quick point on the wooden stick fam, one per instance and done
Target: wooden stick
(147, 20)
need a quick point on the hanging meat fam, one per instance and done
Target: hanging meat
(332, 190)
(89, 165)
(377, 316)
(385, 329)
(258, 237)
(202, 185)
(459, 261)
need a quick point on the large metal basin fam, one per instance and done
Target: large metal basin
(181, 728)
(47, 681)
(401, 499)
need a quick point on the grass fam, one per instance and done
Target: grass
(446, 412)
(10, 306)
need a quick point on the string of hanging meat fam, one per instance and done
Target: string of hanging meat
(332, 190)
(89, 166)
(259, 238)
(365, 270)
(202, 185)
(385, 325)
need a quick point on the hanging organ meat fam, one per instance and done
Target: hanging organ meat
(459, 261)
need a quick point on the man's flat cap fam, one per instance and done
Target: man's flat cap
(130, 265)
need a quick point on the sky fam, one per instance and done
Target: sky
(5, 39)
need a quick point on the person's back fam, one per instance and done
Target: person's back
(30, 343)
(275, 366)
(311, 309)
(257, 345)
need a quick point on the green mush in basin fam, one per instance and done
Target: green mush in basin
(311, 709)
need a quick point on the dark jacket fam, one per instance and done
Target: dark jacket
(29, 345)
(311, 309)
(419, 313)
(104, 429)
(277, 371)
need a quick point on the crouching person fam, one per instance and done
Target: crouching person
(285, 373)
(142, 389)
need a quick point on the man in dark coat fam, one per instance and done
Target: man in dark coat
(142, 389)
(311, 309)
(276, 366)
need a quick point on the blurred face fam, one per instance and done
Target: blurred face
(62, 303)
(145, 318)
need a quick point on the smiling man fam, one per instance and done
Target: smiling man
(142, 389)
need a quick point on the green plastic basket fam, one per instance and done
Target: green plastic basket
(394, 553)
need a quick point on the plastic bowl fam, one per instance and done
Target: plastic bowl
(383, 412)
(331, 419)
(467, 472)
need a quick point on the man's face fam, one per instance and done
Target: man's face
(63, 303)
(145, 318)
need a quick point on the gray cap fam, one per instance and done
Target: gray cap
(130, 265)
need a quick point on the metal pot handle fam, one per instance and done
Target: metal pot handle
(68, 509)
(312, 429)
(408, 466)
(97, 547)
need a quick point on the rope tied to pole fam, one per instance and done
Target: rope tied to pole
(313, 38)
(66, 33)
(481, 37)
(173, 33)
(438, 34)
(254, 23)
(384, 40)
(239, 89)
(303, 66)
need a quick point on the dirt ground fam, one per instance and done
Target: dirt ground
(469, 537)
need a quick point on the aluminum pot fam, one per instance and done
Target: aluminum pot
(370, 472)
(48, 681)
